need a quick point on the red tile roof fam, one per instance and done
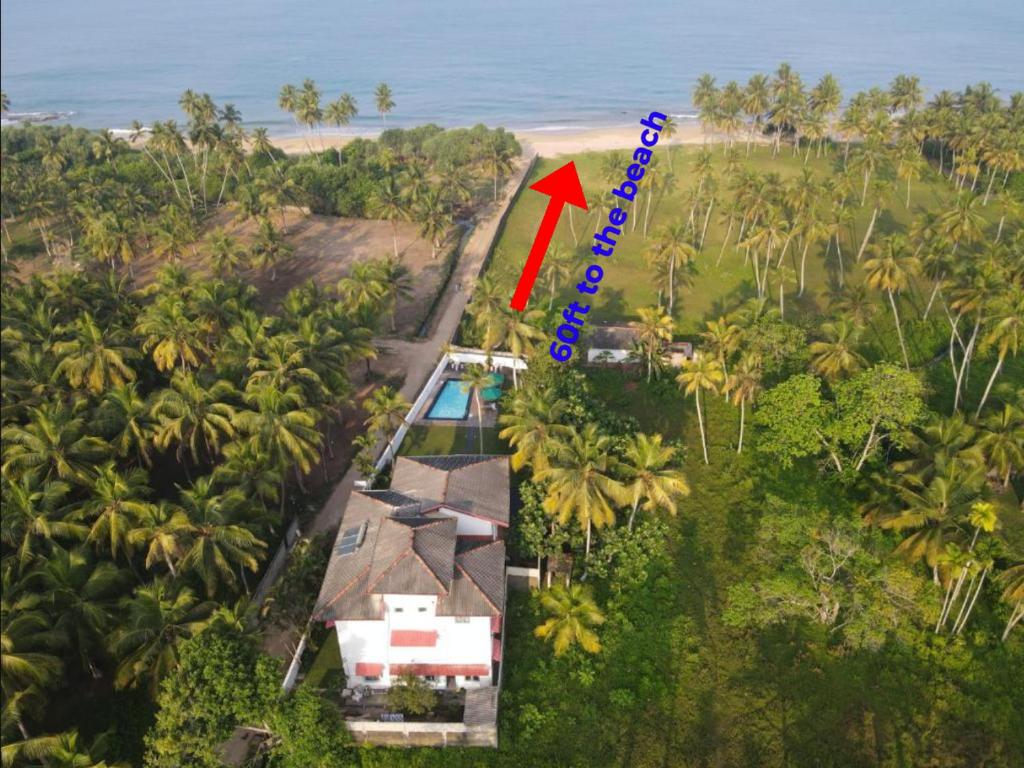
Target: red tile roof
(440, 670)
(368, 669)
(411, 638)
(496, 649)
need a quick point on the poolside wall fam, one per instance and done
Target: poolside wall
(458, 356)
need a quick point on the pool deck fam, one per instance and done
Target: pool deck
(490, 413)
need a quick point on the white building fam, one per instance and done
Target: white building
(611, 344)
(416, 579)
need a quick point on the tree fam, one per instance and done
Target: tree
(34, 516)
(476, 379)
(221, 682)
(194, 416)
(581, 481)
(93, 360)
(573, 615)
(1012, 580)
(116, 504)
(835, 356)
(225, 253)
(388, 203)
(1005, 335)
(743, 386)
(533, 428)
(383, 99)
(701, 373)
(649, 477)
(307, 733)
(387, 409)
(654, 330)
(891, 270)
(411, 695)
(793, 419)
(55, 443)
(513, 331)
(158, 619)
(1002, 442)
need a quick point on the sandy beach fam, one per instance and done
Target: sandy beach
(545, 143)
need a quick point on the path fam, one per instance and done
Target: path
(418, 358)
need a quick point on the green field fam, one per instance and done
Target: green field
(715, 288)
(442, 440)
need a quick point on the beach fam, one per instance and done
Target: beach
(547, 143)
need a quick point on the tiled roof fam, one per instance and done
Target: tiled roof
(440, 670)
(475, 484)
(613, 337)
(479, 585)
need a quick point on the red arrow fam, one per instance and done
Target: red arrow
(562, 186)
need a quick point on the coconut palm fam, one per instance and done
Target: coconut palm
(388, 409)
(1012, 580)
(654, 330)
(226, 254)
(651, 480)
(174, 338)
(1001, 440)
(558, 267)
(835, 356)
(532, 426)
(93, 360)
(743, 385)
(125, 416)
(162, 530)
(383, 99)
(398, 284)
(891, 270)
(674, 246)
(216, 546)
(1004, 335)
(53, 442)
(157, 618)
(701, 373)
(117, 502)
(195, 416)
(34, 516)
(573, 614)
(388, 202)
(476, 378)
(581, 481)
(513, 331)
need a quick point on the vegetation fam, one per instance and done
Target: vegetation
(411, 695)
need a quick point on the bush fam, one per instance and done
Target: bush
(412, 696)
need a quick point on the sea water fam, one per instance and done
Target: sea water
(549, 64)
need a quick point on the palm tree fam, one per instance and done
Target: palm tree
(558, 267)
(513, 331)
(721, 339)
(284, 427)
(388, 203)
(744, 385)
(1005, 334)
(193, 415)
(157, 618)
(53, 442)
(216, 546)
(79, 593)
(1013, 595)
(34, 516)
(701, 373)
(382, 98)
(270, 250)
(27, 641)
(674, 245)
(163, 530)
(581, 482)
(116, 505)
(573, 613)
(92, 359)
(388, 409)
(435, 219)
(835, 356)
(654, 330)
(397, 283)
(126, 416)
(475, 379)
(533, 428)
(891, 271)
(645, 468)
(225, 253)
(246, 469)
(174, 337)
(1002, 442)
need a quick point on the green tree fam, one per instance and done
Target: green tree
(697, 375)
(573, 615)
(411, 695)
(646, 468)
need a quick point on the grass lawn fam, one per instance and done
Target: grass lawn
(327, 661)
(442, 440)
(716, 287)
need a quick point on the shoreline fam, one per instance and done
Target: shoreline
(546, 142)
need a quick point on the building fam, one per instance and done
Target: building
(416, 579)
(617, 344)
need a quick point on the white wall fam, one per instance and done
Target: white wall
(458, 642)
(468, 525)
(610, 355)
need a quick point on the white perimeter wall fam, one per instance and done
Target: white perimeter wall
(466, 642)
(470, 526)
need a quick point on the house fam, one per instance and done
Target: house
(619, 344)
(416, 579)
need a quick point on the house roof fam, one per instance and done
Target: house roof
(474, 484)
(406, 551)
(481, 706)
(617, 337)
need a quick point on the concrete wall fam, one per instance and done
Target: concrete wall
(522, 578)
(467, 641)
(423, 734)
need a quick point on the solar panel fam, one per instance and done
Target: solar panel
(351, 539)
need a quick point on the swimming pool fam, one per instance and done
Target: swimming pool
(451, 402)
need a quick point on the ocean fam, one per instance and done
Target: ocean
(548, 64)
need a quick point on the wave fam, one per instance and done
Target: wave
(16, 118)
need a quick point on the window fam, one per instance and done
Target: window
(474, 678)
(462, 619)
(430, 679)
(422, 610)
(398, 610)
(371, 678)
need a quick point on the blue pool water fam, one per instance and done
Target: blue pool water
(451, 402)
